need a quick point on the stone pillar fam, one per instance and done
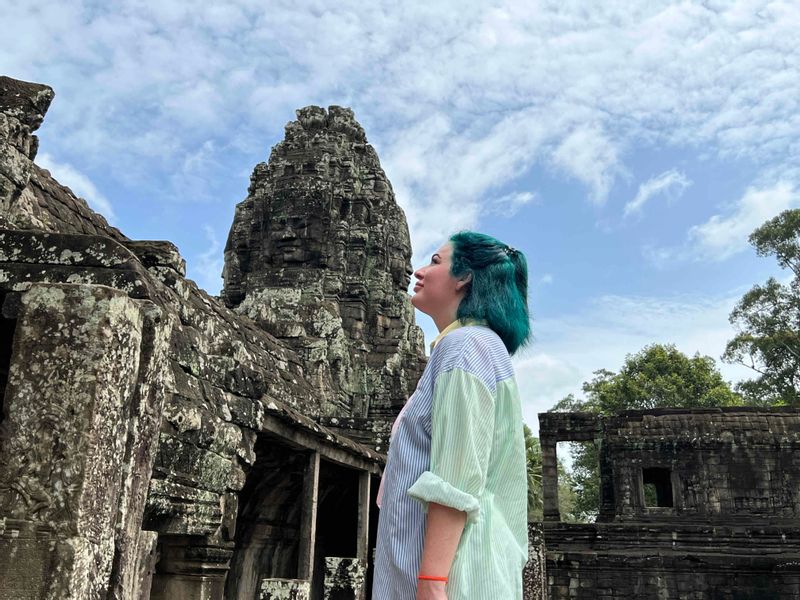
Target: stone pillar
(607, 494)
(308, 518)
(135, 549)
(73, 371)
(191, 568)
(550, 479)
(362, 546)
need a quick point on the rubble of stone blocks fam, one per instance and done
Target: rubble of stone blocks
(534, 581)
(344, 578)
(284, 589)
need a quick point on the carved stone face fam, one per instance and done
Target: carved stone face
(319, 255)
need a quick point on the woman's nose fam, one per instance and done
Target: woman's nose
(418, 273)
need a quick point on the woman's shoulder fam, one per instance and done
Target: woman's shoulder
(472, 337)
(476, 349)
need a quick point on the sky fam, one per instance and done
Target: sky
(628, 148)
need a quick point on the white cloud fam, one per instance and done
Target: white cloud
(461, 99)
(567, 350)
(591, 157)
(509, 204)
(671, 183)
(726, 234)
(723, 236)
(546, 279)
(206, 269)
(79, 183)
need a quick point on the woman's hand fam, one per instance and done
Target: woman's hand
(431, 590)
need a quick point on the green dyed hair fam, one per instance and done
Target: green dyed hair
(498, 290)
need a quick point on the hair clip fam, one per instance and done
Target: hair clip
(510, 251)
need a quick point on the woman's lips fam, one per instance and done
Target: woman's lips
(418, 287)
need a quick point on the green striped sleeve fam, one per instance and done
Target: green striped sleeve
(462, 424)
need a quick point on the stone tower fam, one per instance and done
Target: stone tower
(319, 256)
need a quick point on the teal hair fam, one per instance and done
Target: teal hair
(498, 290)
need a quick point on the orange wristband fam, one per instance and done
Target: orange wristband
(431, 578)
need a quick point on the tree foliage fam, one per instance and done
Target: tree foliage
(780, 237)
(658, 376)
(767, 319)
(566, 494)
(533, 455)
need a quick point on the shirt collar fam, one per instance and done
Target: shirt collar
(457, 324)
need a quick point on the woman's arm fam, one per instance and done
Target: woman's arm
(442, 534)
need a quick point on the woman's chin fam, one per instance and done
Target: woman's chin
(416, 302)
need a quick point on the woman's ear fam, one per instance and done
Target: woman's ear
(463, 282)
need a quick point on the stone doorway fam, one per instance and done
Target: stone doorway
(268, 525)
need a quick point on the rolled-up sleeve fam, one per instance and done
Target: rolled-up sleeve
(462, 425)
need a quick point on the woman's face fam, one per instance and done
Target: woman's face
(437, 293)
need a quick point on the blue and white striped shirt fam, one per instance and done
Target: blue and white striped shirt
(459, 443)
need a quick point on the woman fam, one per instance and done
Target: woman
(453, 519)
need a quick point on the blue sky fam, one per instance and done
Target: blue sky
(628, 148)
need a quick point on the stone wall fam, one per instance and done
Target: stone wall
(139, 411)
(723, 464)
(634, 561)
(694, 504)
(534, 577)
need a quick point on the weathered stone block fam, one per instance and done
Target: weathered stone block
(182, 509)
(344, 578)
(73, 370)
(134, 548)
(284, 589)
(202, 468)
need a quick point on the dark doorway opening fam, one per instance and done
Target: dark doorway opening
(337, 519)
(7, 328)
(657, 487)
(268, 521)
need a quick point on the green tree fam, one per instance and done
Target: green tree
(657, 376)
(533, 454)
(566, 494)
(767, 319)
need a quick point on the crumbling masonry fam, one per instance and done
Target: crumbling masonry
(695, 504)
(161, 443)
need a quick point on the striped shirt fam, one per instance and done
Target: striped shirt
(459, 443)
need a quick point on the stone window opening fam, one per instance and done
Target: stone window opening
(657, 486)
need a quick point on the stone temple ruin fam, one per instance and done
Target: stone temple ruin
(701, 503)
(161, 443)
(157, 443)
